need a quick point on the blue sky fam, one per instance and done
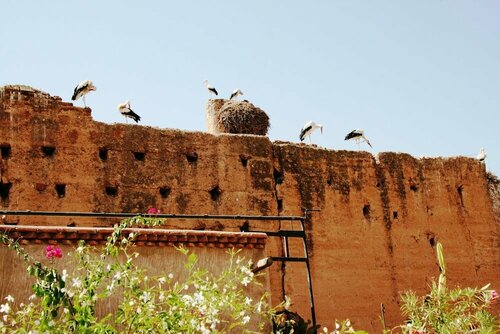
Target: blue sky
(421, 77)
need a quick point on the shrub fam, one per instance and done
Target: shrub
(65, 302)
(449, 311)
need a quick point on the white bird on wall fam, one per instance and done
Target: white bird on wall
(127, 112)
(482, 155)
(358, 136)
(235, 94)
(211, 89)
(308, 129)
(83, 89)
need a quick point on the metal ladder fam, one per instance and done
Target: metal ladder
(301, 234)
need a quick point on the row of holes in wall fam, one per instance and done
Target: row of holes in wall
(367, 212)
(49, 151)
(110, 190)
(6, 151)
(60, 188)
(215, 192)
(192, 157)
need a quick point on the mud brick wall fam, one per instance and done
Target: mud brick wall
(374, 236)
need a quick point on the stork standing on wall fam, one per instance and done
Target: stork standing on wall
(127, 112)
(358, 136)
(308, 129)
(83, 89)
(235, 94)
(211, 89)
(482, 155)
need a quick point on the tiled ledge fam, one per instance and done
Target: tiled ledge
(145, 236)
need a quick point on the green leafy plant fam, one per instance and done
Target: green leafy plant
(65, 302)
(443, 310)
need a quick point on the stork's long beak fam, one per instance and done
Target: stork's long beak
(321, 129)
(368, 142)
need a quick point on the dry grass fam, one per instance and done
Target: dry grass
(242, 117)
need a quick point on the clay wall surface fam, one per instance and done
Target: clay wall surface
(373, 237)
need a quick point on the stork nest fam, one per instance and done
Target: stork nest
(242, 117)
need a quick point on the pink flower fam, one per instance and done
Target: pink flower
(494, 296)
(153, 211)
(52, 252)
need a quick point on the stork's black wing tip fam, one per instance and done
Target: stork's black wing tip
(350, 135)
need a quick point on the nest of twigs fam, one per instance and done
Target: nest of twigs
(242, 117)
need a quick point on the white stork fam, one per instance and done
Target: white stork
(308, 129)
(482, 155)
(358, 136)
(211, 89)
(127, 112)
(83, 89)
(235, 94)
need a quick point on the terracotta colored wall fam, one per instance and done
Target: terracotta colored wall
(372, 238)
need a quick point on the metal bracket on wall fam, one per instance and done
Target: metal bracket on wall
(301, 234)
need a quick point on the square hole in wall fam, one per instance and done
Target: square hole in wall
(139, 156)
(103, 154)
(5, 151)
(244, 160)
(111, 190)
(5, 191)
(192, 157)
(61, 190)
(165, 191)
(48, 151)
(366, 211)
(215, 193)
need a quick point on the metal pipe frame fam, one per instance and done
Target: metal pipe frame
(129, 215)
